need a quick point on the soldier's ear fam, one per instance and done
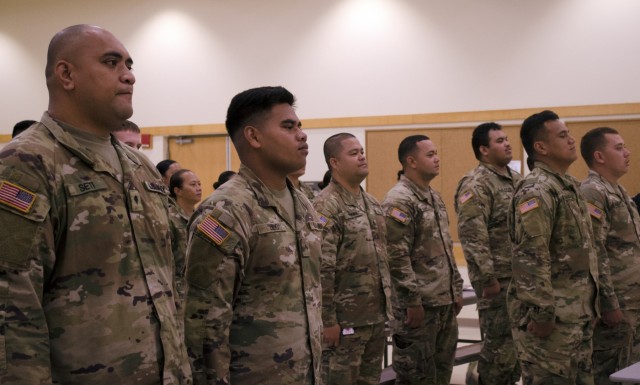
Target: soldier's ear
(411, 161)
(540, 147)
(598, 157)
(64, 73)
(484, 150)
(252, 136)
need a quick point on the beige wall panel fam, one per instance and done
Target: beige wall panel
(205, 155)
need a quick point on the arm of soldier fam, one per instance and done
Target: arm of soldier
(400, 239)
(473, 209)
(178, 247)
(213, 273)
(27, 256)
(601, 225)
(531, 256)
(332, 237)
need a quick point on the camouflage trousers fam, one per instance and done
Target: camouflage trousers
(562, 358)
(358, 358)
(498, 363)
(424, 355)
(616, 347)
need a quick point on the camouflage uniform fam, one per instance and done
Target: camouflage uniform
(356, 287)
(307, 191)
(253, 311)
(555, 272)
(424, 272)
(482, 205)
(86, 272)
(616, 226)
(178, 224)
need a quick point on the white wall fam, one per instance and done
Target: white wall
(340, 57)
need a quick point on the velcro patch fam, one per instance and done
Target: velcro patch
(465, 197)
(156, 187)
(529, 205)
(213, 230)
(398, 215)
(595, 211)
(17, 197)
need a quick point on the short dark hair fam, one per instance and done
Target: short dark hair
(408, 146)
(128, 126)
(333, 145)
(531, 131)
(223, 178)
(176, 180)
(593, 141)
(250, 105)
(21, 126)
(164, 165)
(480, 136)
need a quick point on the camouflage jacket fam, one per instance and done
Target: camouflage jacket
(307, 191)
(423, 268)
(253, 311)
(178, 221)
(356, 286)
(86, 271)
(616, 226)
(555, 267)
(482, 203)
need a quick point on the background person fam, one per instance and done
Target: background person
(129, 134)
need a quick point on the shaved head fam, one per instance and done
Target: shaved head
(64, 43)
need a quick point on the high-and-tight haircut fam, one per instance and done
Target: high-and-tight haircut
(593, 141)
(247, 107)
(532, 130)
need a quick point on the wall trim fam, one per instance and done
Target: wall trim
(567, 112)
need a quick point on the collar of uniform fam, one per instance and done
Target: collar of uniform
(566, 180)
(611, 189)
(263, 195)
(126, 151)
(67, 140)
(421, 193)
(347, 197)
(494, 170)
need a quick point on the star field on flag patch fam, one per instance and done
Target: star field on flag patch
(398, 215)
(465, 197)
(213, 230)
(528, 205)
(17, 197)
(595, 211)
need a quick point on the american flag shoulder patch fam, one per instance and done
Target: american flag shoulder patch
(17, 197)
(465, 197)
(398, 215)
(529, 205)
(323, 219)
(595, 211)
(214, 230)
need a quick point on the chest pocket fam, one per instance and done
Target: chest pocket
(569, 230)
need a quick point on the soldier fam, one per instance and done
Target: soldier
(253, 312)
(86, 271)
(356, 287)
(552, 298)
(482, 203)
(129, 134)
(426, 279)
(616, 226)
